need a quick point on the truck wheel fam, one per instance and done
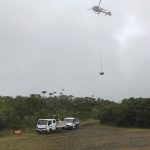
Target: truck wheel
(50, 131)
(60, 130)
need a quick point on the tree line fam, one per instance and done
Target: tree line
(132, 112)
(21, 112)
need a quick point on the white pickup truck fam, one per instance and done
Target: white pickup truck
(49, 125)
(71, 122)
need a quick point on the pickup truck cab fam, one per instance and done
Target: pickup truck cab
(49, 125)
(71, 122)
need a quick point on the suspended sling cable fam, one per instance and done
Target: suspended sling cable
(101, 63)
(98, 9)
(101, 47)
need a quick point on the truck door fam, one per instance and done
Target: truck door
(49, 124)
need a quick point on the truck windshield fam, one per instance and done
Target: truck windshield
(68, 120)
(42, 122)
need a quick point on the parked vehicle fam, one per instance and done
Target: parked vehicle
(71, 122)
(49, 125)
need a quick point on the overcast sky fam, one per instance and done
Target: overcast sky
(52, 45)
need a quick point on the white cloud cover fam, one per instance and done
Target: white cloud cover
(50, 45)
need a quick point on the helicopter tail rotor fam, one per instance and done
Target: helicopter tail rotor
(109, 13)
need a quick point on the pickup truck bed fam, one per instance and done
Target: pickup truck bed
(60, 124)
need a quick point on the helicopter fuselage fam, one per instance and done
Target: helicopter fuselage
(98, 10)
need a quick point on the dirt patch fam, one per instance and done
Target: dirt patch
(90, 136)
(86, 137)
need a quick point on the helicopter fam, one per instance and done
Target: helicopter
(97, 9)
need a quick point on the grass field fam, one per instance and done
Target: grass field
(87, 137)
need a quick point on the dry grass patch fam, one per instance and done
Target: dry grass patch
(90, 136)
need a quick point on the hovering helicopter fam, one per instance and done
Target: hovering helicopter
(97, 9)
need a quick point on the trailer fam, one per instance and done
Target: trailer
(49, 125)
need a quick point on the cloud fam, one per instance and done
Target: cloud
(50, 45)
(131, 29)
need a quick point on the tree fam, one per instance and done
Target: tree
(43, 92)
(50, 94)
(54, 93)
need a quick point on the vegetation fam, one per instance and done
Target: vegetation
(23, 112)
(133, 112)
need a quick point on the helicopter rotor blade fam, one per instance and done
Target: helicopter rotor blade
(99, 2)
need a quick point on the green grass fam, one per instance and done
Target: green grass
(90, 136)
